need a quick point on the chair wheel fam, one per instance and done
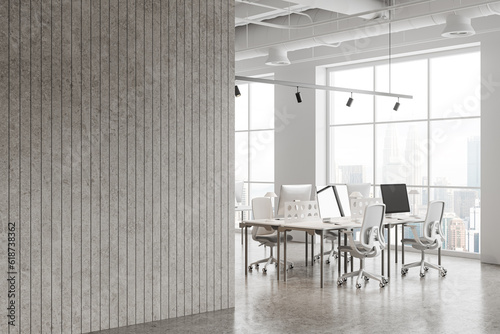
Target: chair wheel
(404, 271)
(345, 279)
(256, 265)
(340, 282)
(422, 275)
(443, 273)
(250, 268)
(426, 268)
(358, 286)
(276, 265)
(385, 281)
(382, 285)
(291, 266)
(335, 256)
(366, 278)
(264, 270)
(327, 261)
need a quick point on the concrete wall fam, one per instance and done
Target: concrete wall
(117, 149)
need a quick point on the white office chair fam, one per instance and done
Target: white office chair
(262, 209)
(370, 244)
(432, 238)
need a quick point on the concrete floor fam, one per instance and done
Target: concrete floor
(466, 301)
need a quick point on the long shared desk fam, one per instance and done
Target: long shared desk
(312, 227)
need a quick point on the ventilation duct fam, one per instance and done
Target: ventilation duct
(370, 30)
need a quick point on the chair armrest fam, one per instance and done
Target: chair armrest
(352, 244)
(440, 231)
(415, 235)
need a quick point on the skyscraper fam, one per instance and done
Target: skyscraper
(457, 235)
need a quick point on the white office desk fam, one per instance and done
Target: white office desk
(319, 227)
(270, 223)
(242, 209)
(396, 222)
(313, 227)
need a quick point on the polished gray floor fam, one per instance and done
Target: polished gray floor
(466, 301)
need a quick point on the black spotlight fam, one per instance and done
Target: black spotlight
(237, 91)
(297, 96)
(396, 106)
(349, 101)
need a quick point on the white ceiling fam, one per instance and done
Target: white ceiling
(293, 25)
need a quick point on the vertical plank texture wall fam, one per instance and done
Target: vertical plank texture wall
(116, 168)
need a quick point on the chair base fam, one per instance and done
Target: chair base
(269, 260)
(331, 254)
(424, 267)
(362, 273)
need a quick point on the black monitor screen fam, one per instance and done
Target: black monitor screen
(395, 198)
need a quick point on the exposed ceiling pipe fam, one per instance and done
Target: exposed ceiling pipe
(371, 30)
(336, 19)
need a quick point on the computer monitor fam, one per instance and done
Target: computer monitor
(395, 198)
(329, 206)
(238, 191)
(343, 198)
(363, 188)
(290, 193)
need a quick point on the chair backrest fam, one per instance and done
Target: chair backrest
(371, 230)
(432, 222)
(262, 208)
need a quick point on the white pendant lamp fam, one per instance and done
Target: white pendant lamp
(277, 57)
(457, 26)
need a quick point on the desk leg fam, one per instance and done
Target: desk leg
(246, 250)
(396, 245)
(388, 251)
(284, 256)
(339, 258)
(321, 265)
(345, 254)
(307, 246)
(402, 246)
(278, 266)
(241, 228)
(312, 249)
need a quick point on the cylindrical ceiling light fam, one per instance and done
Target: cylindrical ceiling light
(297, 96)
(349, 101)
(277, 57)
(396, 106)
(457, 26)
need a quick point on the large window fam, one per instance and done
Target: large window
(254, 146)
(432, 143)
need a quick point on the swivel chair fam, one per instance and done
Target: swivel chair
(370, 244)
(431, 238)
(262, 209)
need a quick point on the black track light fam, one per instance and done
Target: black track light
(396, 106)
(349, 101)
(237, 91)
(297, 96)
